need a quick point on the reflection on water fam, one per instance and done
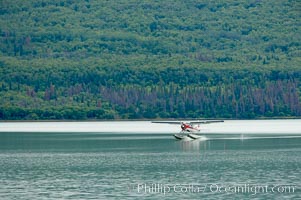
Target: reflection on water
(113, 141)
(241, 143)
(111, 166)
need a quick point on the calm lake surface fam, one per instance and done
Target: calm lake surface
(119, 164)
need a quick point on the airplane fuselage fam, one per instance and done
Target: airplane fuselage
(189, 128)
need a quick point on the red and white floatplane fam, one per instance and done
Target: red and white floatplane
(189, 130)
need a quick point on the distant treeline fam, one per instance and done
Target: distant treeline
(129, 93)
(149, 59)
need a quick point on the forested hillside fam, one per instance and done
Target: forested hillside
(138, 59)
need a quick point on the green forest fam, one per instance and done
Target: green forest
(149, 59)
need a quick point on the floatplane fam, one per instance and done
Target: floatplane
(189, 130)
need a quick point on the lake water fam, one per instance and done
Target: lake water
(140, 160)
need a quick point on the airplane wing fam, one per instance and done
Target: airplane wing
(192, 122)
(206, 122)
(167, 122)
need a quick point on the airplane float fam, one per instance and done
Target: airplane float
(189, 130)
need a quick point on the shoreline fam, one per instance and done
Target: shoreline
(157, 119)
(274, 126)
